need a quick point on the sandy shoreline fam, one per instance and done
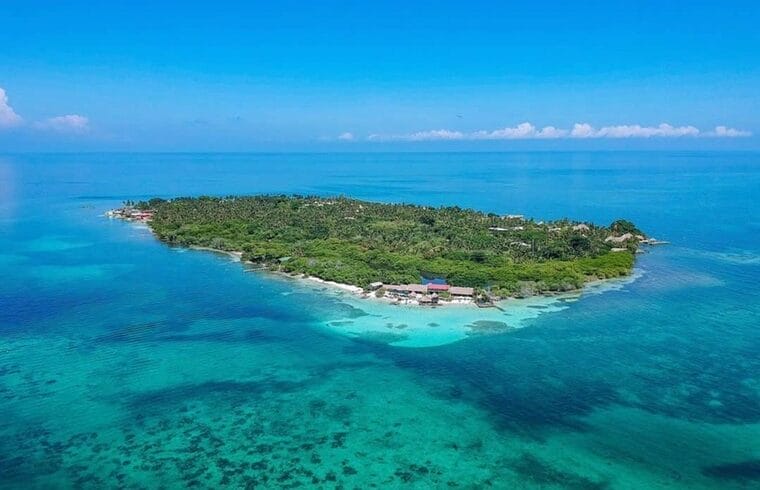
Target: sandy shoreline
(238, 256)
(345, 287)
(368, 295)
(362, 294)
(403, 322)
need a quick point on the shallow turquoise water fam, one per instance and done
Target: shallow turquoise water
(126, 363)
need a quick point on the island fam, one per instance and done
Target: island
(400, 252)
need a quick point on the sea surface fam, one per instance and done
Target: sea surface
(125, 363)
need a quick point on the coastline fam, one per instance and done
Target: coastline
(143, 221)
(238, 256)
(404, 315)
(592, 286)
(348, 288)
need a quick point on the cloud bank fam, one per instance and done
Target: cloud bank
(70, 123)
(527, 131)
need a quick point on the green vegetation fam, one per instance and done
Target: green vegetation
(358, 242)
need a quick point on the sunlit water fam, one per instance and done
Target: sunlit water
(126, 363)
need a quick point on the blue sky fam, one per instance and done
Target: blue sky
(382, 75)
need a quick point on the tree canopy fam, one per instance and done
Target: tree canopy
(359, 242)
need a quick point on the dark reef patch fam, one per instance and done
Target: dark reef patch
(743, 471)
(487, 327)
(532, 468)
(158, 401)
(381, 337)
(231, 336)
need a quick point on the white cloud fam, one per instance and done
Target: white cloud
(582, 130)
(8, 117)
(346, 136)
(725, 132)
(585, 130)
(432, 135)
(521, 131)
(436, 135)
(637, 131)
(550, 132)
(527, 130)
(71, 123)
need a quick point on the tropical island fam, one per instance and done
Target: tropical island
(399, 251)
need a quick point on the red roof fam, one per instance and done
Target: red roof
(438, 287)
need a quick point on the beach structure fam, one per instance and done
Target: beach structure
(428, 300)
(130, 214)
(375, 285)
(406, 288)
(461, 291)
(432, 289)
(142, 215)
(438, 288)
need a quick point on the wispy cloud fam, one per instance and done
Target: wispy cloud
(527, 130)
(633, 131)
(434, 135)
(8, 117)
(724, 132)
(521, 131)
(70, 123)
(346, 136)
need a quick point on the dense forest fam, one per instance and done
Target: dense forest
(358, 242)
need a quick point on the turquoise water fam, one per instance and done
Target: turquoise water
(125, 363)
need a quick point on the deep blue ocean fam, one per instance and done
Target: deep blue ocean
(125, 363)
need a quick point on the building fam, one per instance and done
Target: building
(427, 293)
(428, 300)
(461, 291)
(406, 288)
